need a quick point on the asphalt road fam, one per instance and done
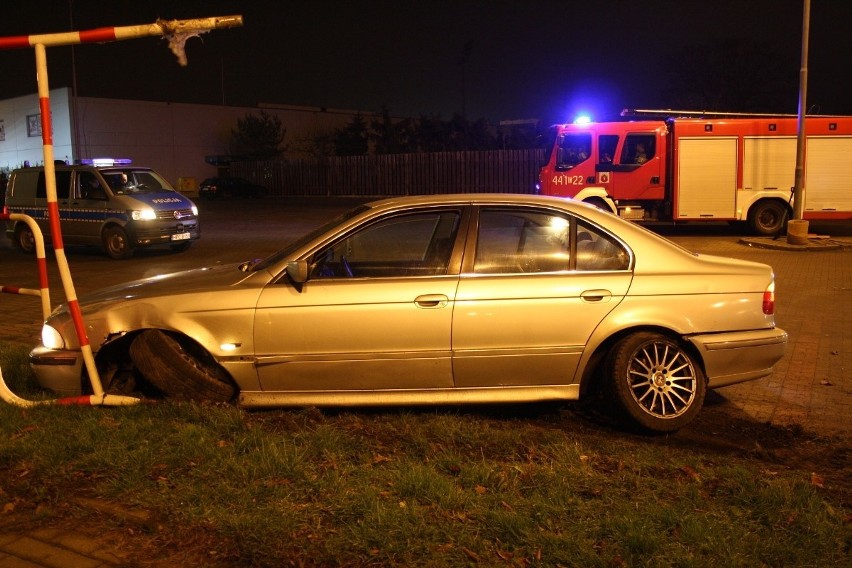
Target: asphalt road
(810, 387)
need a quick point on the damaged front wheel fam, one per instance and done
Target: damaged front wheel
(181, 370)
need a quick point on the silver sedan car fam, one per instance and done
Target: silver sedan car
(438, 300)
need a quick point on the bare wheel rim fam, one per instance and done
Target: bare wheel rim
(662, 379)
(116, 242)
(27, 240)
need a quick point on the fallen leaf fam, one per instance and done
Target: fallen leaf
(691, 473)
(480, 490)
(817, 480)
(470, 554)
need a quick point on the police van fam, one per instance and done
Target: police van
(119, 208)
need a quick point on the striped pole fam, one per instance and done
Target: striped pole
(41, 261)
(177, 31)
(166, 28)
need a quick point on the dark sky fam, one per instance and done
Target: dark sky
(542, 59)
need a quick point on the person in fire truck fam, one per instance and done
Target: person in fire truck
(641, 157)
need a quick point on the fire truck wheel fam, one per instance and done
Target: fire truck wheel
(654, 383)
(25, 239)
(768, 217)
(599, 203)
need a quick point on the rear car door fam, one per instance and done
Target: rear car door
(534, 285)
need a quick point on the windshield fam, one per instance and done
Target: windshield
(573, 149)
(129, 180)
(302, 241)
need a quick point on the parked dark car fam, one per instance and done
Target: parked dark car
(227, 187)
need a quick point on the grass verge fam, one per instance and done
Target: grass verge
(495, 486)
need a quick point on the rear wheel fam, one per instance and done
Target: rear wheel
(180, 369)
(116, 243)
(25, 239)
(768, 217)
(654, 382)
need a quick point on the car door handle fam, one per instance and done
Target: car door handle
(431, 301)
(596, 296)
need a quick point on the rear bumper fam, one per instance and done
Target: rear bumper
(739, 356)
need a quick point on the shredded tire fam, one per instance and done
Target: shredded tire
(178, 371)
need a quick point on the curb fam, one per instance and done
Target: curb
(814, 244)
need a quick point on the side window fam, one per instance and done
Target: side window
(63, 185)
(572, 149)
(415, 244)
(607, 144)
(597, 250)
(88, 186)
(521, 240)
(639, 148)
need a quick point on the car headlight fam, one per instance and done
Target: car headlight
(143, 215)
(51, 338)
(195, 210)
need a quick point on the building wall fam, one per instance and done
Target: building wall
(20, 130)
(172, 138)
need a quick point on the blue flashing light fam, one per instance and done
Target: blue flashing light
(583, 119)
(101, 162)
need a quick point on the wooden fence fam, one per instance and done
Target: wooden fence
(498, 171)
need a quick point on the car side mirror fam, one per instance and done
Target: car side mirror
(297, 270)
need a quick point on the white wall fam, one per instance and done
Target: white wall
(172, 138)
(16, 144)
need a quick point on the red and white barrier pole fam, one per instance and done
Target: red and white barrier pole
(177, 31)
(41, 261)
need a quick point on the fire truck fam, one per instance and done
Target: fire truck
(689, 167)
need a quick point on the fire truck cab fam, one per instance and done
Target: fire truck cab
(700, 169)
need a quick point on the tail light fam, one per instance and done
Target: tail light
(769, 299)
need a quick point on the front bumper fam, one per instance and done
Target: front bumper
(739, 356)
(60, 371)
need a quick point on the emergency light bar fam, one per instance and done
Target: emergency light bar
(105, 162)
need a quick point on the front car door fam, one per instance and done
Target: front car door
(375, 313)
(534, 285)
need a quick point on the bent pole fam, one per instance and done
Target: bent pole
(85, 400)
(177, 32)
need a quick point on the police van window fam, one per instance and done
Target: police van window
(606, 148)
(572, 149)
(89, 187)
(638, 148)
(63, 185)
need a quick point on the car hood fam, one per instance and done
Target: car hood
(169, 301)
(188, 282)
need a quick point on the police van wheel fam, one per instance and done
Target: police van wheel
(25, 239)
(116, 243)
